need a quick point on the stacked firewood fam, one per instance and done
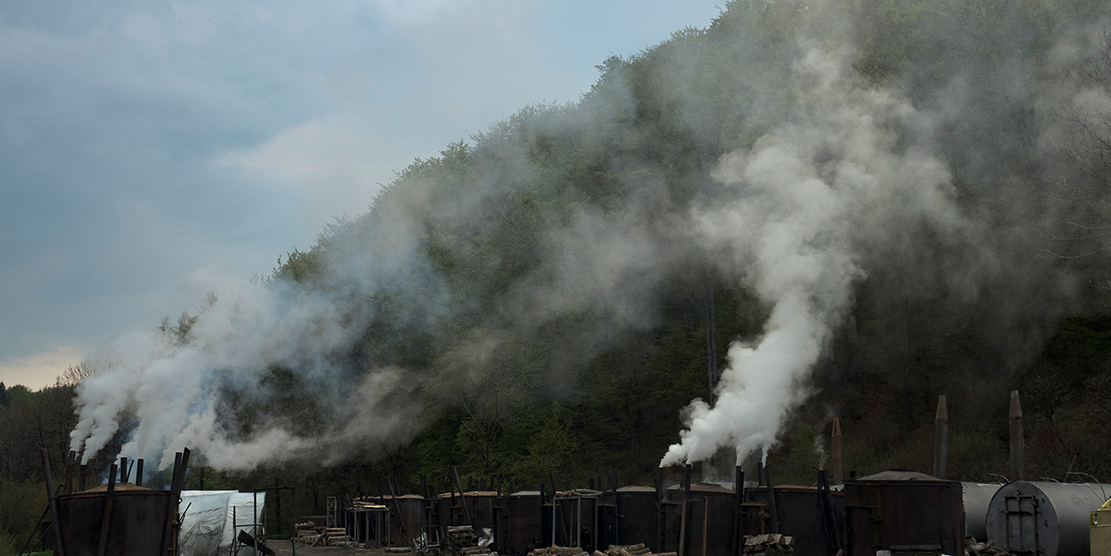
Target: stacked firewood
(460, 537)
(638, 549)
(461, 541)
(365, 505)
(769, 545)
(973, 548)
(558, 551)
(308, 533)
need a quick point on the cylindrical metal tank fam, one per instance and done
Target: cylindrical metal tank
(977, 498)
(136, 522)
(1050, 519)
(903, 508)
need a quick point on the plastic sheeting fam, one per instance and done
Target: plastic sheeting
(207, 528)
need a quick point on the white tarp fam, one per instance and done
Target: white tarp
(207, 530)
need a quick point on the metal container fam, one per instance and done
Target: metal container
(1044, 518)
(577, 518)
(136, 523)
(522, 529)
(482, 505)
(406, 517)
(1101, 530)
(803, 514)
(637, 516)
(977, 498)
(705, 519)
(904, 512)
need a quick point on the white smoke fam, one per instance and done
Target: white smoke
(810, 198)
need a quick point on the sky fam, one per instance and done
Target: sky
(154, 151)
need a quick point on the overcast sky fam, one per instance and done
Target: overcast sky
(152, 150)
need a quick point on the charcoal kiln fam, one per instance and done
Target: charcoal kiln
(705, 520)
(119, 518)
(637, 516)
(406, 516)
(1044, 518)
(903, 511)
(813, 516)
(522, 529)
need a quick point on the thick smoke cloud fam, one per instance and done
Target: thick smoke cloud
(814, 193)
(805, 184)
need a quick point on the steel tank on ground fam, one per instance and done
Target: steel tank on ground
(137, 522)
(1044, 518)
(977, 499)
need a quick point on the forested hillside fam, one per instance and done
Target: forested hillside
(863, 204)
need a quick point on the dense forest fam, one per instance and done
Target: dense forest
(805, 210)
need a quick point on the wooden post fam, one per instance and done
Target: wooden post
(771, 501)
(169, 529)
(738, 521)
(683, 528)
(52, 502)
(106, 518)
(660, 509)
(462, 498)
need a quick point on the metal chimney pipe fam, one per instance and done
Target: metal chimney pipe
(837, 475)
(941, 437)
(1018, 469)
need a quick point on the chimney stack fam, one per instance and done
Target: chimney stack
(941, 437)
(1018, 470)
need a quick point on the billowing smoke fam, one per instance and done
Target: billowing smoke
(815, 192)
(801, 170)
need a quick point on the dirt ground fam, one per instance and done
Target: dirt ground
(285, 548)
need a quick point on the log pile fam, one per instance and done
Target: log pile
(614, 550)
(973, 548)
(462, 541)
(559, 551)
(364, 505)
(769, 545)
(308, 533)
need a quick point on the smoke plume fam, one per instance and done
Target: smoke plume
(779, 151)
